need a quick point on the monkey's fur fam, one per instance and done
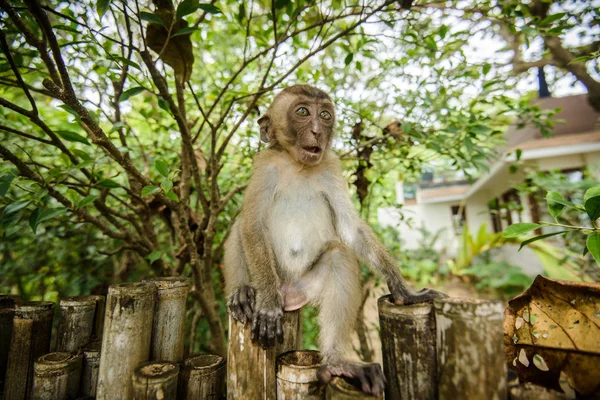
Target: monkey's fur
(299, 238)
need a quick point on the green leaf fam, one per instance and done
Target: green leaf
(591, 202)
(117, 126)
(593, 245)
(554, 208)
(149, 17)
(72, 137)
(69, 110)
(348, 58)
(86, 201)
(108, 184)
(164, 104)
(535, 239)
(480, 129)
(209, 8)
(131, 92)
(551, 18)
(102, 7)
(579, 59)
(172, 196)
(162, 167)
(155, 255)
(16, 206)
(166, 185)
(186, 7)
(127, 61)
(520, 228)
(148, 190)
(33, 219)
(5, 181)
(82, 154)
(443, 31)
(184, 31)
(51, 213)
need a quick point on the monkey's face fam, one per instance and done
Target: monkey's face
(310, 125)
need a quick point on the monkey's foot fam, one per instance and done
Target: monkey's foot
(267, 327)
(369, 377)
(241, 304)
(418, 297)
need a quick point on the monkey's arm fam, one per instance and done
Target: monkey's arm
(268, 311)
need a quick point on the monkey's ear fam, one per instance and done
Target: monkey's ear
(265, 128)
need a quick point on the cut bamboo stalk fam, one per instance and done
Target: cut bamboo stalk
(56, 376)
(408, 348)
(91, 364)
(7, 313)
(202, 377)
(126, 338)
(156, 380)
(341, 389)
(470, 349)
(251, 370)
(168, 331)
(297, 376)
(99, 316)
(30, 339)
(76, 323)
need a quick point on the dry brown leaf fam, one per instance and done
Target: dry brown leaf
(555, 326)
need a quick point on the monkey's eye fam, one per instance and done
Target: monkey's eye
(302, 112)
(325, 115)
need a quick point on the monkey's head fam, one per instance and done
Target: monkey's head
(300, 120)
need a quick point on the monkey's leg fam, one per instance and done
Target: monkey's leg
(241, 296)
(334, 287)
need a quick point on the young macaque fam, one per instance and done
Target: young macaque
(299, 239)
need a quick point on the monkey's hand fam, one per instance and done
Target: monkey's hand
(267, 324)
(241, 303)
(403, 295)
(369, 377)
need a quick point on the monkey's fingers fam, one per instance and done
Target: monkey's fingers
(246, 302)
(279, 330)
(255, 330)
(236, 311)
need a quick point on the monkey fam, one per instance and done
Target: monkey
(299, 239)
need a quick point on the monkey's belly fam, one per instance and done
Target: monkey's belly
(299, 231)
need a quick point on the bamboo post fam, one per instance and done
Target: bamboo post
(529, 391)
(7, 313)
(99, 315)
(76, 323)
(408, 347)
(32, 327)
(470, 349)
(126, 338)
(297, 376)
(155, 381)
(202, 377)
(89, 373)
(341, 389)
(168, 331)
(56, 376)
(250, 368)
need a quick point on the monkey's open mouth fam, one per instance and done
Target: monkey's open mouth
(314, 150)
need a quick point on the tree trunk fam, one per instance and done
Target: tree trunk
(126, 338)
(297, 376)
(76, 323)
(32, 327)
(155, 381)
(91, 364)
(408, 347)
(470, 349)
(56, 376)
(7, 313)
(168, 331)
(250, 368)
(202, 377)
(341, 389)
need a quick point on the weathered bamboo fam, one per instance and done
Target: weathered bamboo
(76, 323)
(7, 313)
(470, 349)
(155, 380)
(202, 377)
(126, 338)
(341, 389)
(408, 348)
(91, 364)
(56, 376)
(250, 368)
(297, 376)
(99, 316)
(168, 331)
(529, 391)
(32, 327)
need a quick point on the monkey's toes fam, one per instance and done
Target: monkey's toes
(369, 377)
(267, 327)
(241, 304)
(419, 297)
